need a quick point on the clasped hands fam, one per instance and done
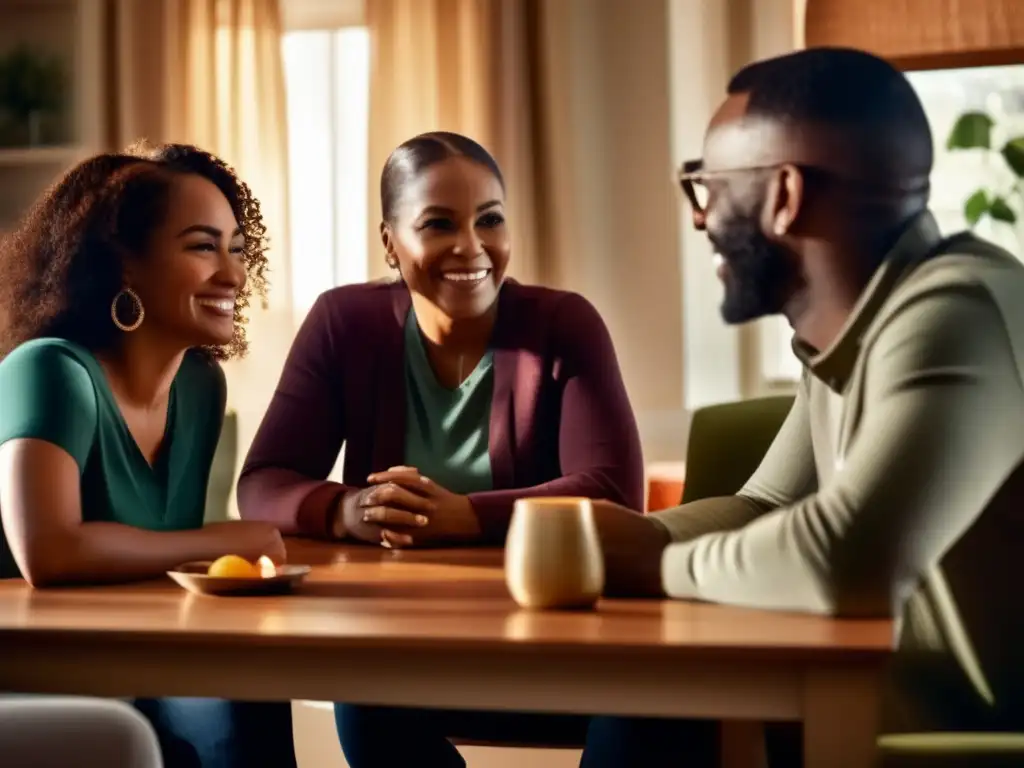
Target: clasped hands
(402, 508)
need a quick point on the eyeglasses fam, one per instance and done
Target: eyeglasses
(692, 178)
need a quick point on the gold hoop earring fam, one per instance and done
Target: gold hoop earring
(140, 311)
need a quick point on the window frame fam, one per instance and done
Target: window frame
(310, 15)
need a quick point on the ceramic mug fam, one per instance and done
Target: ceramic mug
(553, 554)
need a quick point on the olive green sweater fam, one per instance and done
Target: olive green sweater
(893, 487)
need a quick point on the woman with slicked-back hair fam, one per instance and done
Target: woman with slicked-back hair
(454, 391)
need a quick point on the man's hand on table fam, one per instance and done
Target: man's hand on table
(632, 545)
(402, 508)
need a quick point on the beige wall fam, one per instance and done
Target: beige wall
(700, 36)
(636, 82)
(607, 90)
(708, 41)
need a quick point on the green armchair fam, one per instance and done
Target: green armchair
(726, 444)
(222, 473)
(952, 750)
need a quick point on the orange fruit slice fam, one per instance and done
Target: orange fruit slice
(233, 567)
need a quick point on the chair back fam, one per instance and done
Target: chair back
(727, 443)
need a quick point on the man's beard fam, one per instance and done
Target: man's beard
(758, 273)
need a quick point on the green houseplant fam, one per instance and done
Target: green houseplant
(973, 130)
(32, 96)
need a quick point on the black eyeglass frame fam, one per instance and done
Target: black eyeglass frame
(692, 172)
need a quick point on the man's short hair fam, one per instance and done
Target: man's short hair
(858, 95)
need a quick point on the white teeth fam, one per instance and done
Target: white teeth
(718, 260)
(458, 277)
(224, 305)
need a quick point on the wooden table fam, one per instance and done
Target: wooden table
(437, 628)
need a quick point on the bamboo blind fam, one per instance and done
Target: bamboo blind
(922, 34)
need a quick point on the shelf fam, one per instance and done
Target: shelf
(64, 154)
(29, 6)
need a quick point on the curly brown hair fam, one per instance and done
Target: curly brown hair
(62, 267)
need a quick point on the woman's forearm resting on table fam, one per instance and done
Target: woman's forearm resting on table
(112, 552)
(41, 510)
(295, 503)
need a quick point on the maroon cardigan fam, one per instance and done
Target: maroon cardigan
(561, 423)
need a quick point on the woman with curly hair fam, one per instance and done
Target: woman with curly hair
(120, 291)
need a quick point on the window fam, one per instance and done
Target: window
(327, 76)
(326, 52)
(948, 93)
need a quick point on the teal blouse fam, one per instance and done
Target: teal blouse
(55, 390)
(447, 430)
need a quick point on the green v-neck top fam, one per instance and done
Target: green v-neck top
(55, 390)
(447, 430)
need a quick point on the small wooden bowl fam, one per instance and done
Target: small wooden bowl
(194, 578)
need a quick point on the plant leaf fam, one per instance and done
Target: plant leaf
(971, 130)
(975, 207)
(1013, 153)
(1000, 210)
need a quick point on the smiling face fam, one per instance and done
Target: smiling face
(449, 239)
(740, 218)
(190, 274)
